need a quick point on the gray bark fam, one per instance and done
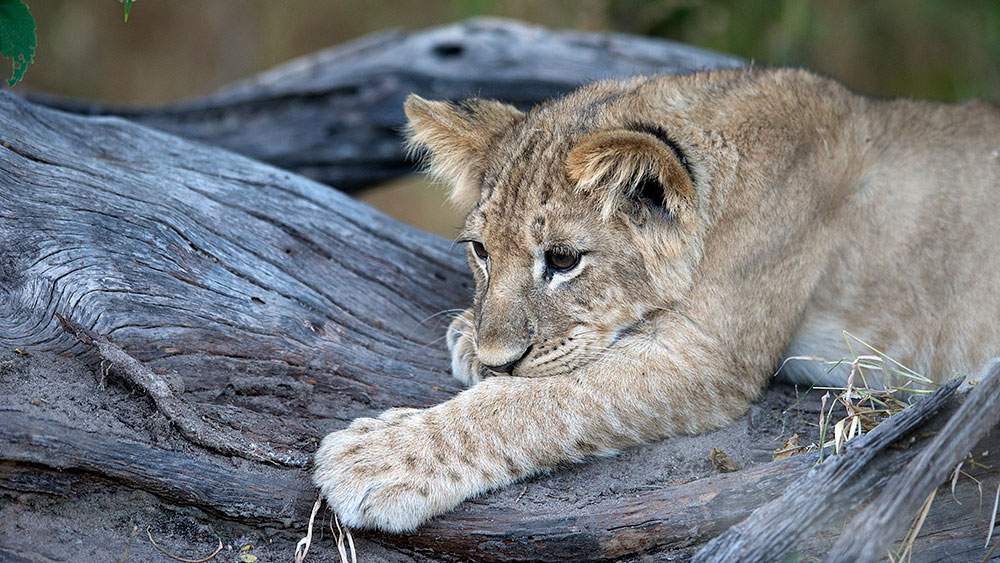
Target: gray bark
(220, 298)
(867, 536)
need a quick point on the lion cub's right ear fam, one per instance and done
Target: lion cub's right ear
(624, 168)
(455, 137)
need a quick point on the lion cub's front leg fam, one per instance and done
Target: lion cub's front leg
(399, 470)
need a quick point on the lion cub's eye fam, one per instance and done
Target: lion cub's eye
(480, 250)
(561, 258)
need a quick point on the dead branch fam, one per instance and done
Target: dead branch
(828, 491)
(868, 535)
(335, 115)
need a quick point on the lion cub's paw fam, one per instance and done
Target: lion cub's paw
(465, 366)
(379, 473)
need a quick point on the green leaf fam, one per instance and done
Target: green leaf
(128, 7)
(17, 37)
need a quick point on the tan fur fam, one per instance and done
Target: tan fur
(612, 164)
(789, 210)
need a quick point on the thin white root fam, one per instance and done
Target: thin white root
(149, 534)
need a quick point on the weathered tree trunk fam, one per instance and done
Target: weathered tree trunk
(266, 310)
(335, 116)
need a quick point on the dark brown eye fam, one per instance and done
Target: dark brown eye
(480, 250)
(561, 258)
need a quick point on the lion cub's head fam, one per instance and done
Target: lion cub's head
(583, 223)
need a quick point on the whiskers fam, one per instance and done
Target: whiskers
(601, 353)
(464, 319)
(452, 314)
(575, 353)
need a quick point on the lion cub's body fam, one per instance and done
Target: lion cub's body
(912, 264)
(646, 252)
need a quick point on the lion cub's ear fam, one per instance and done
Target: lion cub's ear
(455, 137)
(631, 170)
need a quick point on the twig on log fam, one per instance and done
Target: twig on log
(176, 558)
(778, 526)
(187, 419)
(251, 493)
(870, 532)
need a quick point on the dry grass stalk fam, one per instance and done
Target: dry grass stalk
(993, 519)
(906, 547)
(971, 460)
(302, 548)
(340, 535)
(790, 448)
(990, 552)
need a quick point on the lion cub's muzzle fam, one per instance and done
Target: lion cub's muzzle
(503, 337)
(506, 367)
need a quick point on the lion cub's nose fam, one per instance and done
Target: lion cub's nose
(506, 367)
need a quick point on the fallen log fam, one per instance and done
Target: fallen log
(280, 309)
(335, 116)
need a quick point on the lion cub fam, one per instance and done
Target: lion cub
(646, 251)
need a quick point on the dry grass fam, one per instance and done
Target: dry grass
(341, 535)
(877, 387)
(905, 552)
(993, 520)
(302, 548)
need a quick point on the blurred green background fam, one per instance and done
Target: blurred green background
(172, 49)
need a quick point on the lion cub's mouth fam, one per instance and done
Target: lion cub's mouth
(561, 356)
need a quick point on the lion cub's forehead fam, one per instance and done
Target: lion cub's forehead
(527, 166)
(528, 171)
(523, 221)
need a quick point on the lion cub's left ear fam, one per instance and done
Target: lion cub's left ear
(629, 171)
(455, 137)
